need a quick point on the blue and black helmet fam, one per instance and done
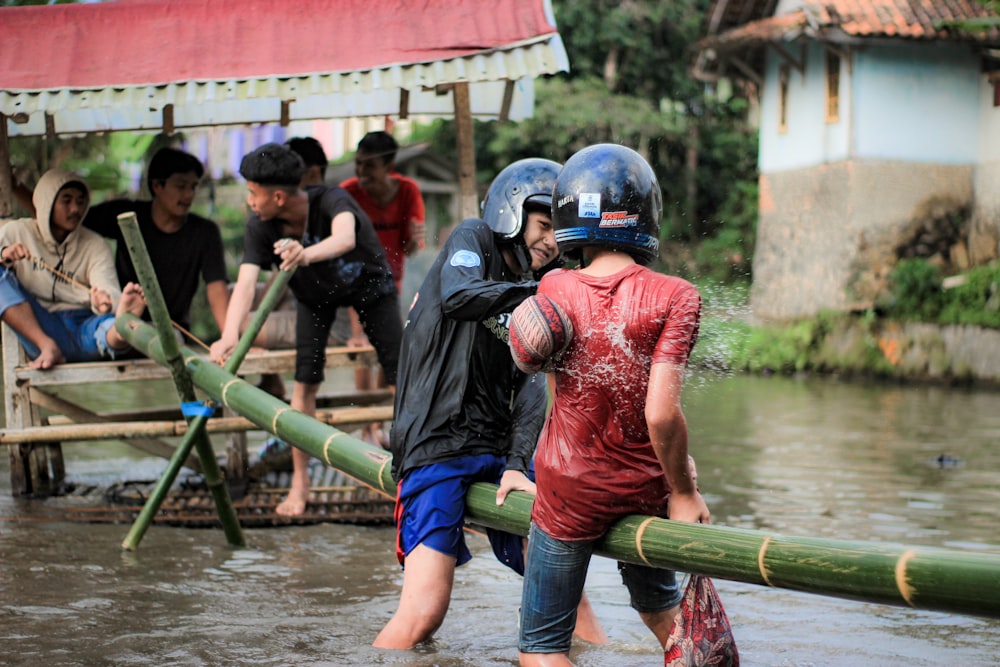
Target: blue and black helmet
(607, 195)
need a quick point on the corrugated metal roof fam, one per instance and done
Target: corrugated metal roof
(120, 65)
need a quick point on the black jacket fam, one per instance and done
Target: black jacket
(458, 392)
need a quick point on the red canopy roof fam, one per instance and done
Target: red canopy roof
(147, 54)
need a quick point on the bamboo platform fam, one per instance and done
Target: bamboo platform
(334, 498)
(39, 419)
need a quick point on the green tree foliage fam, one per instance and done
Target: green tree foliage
(629, 83)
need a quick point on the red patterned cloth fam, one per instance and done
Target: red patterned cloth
(701, 635)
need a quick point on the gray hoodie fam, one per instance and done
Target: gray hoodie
(84, 256)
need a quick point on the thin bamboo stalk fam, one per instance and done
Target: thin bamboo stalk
(900, 575)
(343, 417)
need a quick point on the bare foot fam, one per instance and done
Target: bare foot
(133, 301)
(588, 628)
(294, 504)
(49, 356)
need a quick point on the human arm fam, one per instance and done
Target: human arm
(527, 419)
(14, 252)
(358, 337)
(100, 301)
(467, 290)
(414, 233)
(342, 240)
(239, 306)
(217, 293)
(668, 435)
(105, 290)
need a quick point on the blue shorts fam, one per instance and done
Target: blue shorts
(430, 509)
(553, 585)
(508, 547)
(80, 334)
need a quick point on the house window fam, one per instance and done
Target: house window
(783, 98)
(832, 87)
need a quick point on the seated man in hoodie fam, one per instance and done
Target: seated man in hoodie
(58, 286)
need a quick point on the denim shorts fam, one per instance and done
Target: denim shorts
(80, 334)
(553, 585)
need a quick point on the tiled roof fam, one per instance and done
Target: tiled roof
(739, 22)
(916, 19)
(737, 29)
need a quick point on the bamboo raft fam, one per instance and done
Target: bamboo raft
(334, 498)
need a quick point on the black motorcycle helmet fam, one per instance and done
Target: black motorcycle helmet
(521, 186)
(607, 195)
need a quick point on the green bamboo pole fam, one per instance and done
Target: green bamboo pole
(196, 435)
(919, 577)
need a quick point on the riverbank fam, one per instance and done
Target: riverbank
(849, 345)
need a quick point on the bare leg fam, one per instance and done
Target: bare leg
(303, 400)
(661, 623)
(544, 659)
(423, 602)
(21, 318)
(375, 432)
(133, 301)
(363, 382)
(588, 628)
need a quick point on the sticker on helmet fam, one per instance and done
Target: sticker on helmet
(465, 258)
(590, 205)
(618, 219)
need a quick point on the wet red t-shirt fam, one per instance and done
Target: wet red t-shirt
(594, 461)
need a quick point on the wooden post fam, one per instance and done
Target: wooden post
(468, 196)
(6, 180)
(30, 471)
(17, 409)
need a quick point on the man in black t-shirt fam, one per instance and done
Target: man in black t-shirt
(183, 247)
(324, 234)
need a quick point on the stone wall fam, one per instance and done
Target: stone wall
(947, 353)
(828, 235)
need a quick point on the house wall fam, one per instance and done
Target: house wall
(916, 102)
(896, 103)
(808, 139)
(835, 197)
(984, 236)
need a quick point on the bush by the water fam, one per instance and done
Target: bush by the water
(916, 290)
(976, 301)
(919, 295)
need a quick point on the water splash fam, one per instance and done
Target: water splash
(723, 332)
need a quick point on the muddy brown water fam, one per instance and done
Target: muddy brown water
(903, 464)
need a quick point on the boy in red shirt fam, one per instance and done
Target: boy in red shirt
(615, 442)
(396, 208)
